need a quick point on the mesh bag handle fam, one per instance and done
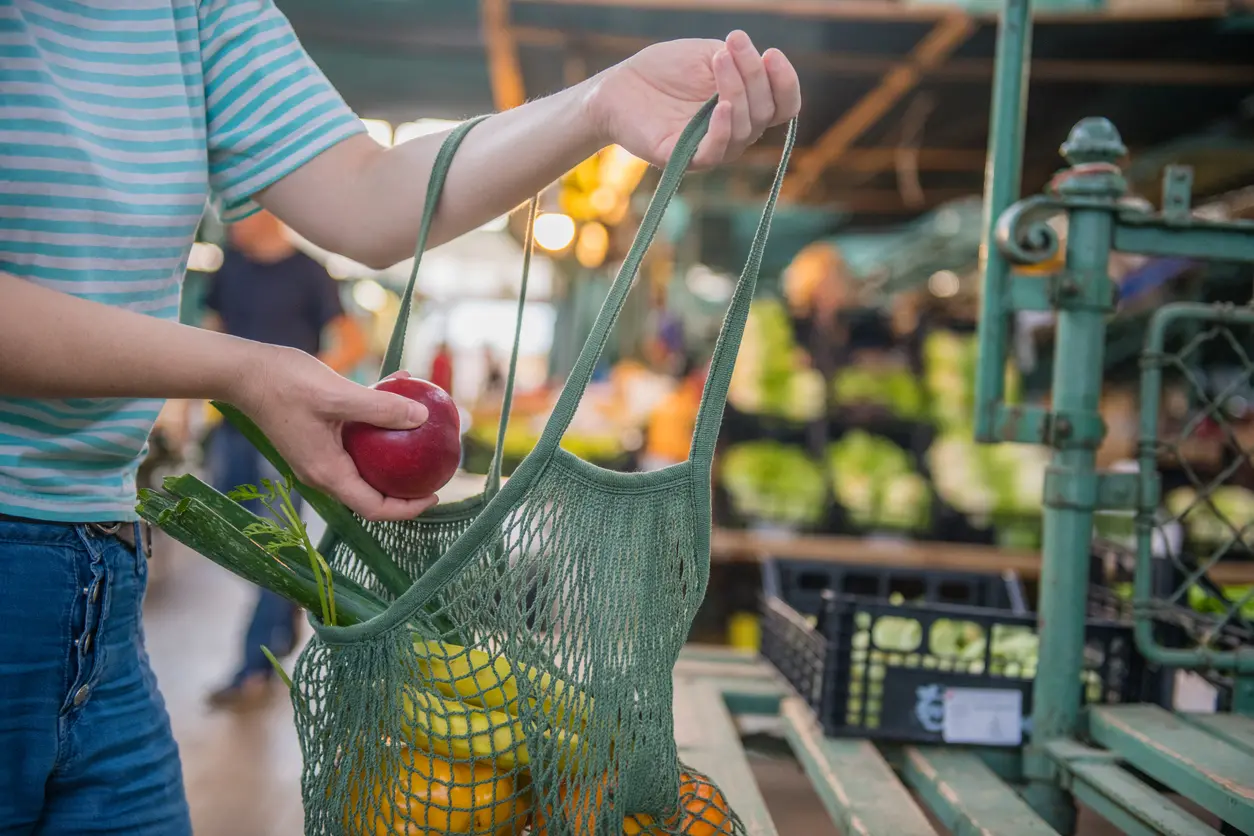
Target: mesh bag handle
(723, 361)
(488, 524)
(396, 343)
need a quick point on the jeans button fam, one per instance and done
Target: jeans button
(95, 592)
(87, 643)
(81, 695)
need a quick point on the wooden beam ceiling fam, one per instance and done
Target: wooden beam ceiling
(892, 10)
(504, 71)
(945, 37)
(955, 69)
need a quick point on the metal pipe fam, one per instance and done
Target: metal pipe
(1068, 516)
(1002, 175)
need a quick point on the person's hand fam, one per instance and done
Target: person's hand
(644, 103)
(301, 405)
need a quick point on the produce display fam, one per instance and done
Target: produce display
(409, 464)
(988, 480)
(774, 482)
(875, 481)
(1225, 515)
(891, 388)
(950, 360)
(771, 377)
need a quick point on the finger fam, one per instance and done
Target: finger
(785, 86)
(403, 509)
(731, 89)
(338, 476)
(382, 409)
(335, 474)
(713, 148)
(752, 71)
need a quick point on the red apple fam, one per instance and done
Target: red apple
(409, 464)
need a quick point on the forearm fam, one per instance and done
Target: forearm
(366, 202)
(53, 345)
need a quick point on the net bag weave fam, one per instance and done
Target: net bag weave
(522, 684)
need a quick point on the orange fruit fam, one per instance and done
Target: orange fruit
(704, 809)
(501, 807)
(428, 796)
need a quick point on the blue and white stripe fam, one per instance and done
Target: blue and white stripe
(118, 119)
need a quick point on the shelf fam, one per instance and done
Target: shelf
(728, 546)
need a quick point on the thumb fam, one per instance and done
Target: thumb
(384, 409)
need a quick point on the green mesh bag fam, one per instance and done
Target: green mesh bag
(522, 684)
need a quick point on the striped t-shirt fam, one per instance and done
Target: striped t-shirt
(119, 119)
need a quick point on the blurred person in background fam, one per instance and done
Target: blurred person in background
(187, 101)
(442, 367)
(269, 291)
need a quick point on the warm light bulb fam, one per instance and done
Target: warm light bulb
(370, 295)
(593, 244)
(603, 200)
(554, 231)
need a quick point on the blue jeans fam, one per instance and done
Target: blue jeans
(235, 462)
(85, 741)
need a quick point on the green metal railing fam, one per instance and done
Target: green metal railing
(1091, 194)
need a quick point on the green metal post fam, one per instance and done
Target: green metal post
(1001, 189)
(1071, 484)
(1243, 695)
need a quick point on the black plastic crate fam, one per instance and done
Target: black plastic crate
(802, 583)
(847, 661)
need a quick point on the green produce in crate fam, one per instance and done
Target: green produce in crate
(1203, 602)
(1225, 515)
(773, 482)
(896, 390)
(875, 481)
(770, 377)
(949, 363)
(952, 645)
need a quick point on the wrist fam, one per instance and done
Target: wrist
(245, 372)
(592, 114)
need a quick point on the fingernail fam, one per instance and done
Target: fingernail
(417, 413)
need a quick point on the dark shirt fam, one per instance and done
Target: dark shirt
(286, 303)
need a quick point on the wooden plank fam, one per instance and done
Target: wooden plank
(711, 744)
(1097, 780)
(891, 11)
(1075, 71)
(967, 797)
(946, 36)
(743, 546)
(504, 71)
(697, 652)
(1205, 769)
(855, 783)
(1231, 728)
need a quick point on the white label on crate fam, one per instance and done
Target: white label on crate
(983, 716)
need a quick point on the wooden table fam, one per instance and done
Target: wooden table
(904, 790)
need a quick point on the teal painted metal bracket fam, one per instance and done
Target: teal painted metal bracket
(1108, 492)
